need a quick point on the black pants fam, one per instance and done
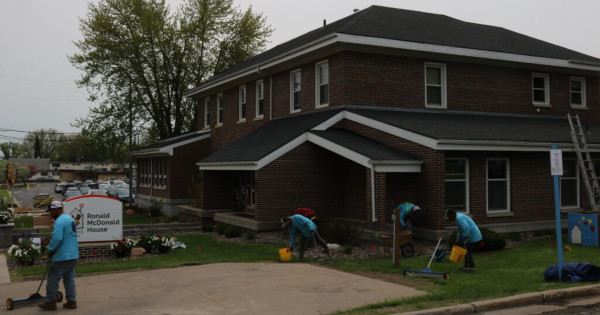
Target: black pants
(304, 241)
(469, 259)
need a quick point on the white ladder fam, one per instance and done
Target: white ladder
(586, 164)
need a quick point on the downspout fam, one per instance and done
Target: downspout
(270, 97)
(151, 177)
(374, 219)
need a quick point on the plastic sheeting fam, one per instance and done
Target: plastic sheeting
(574, 272)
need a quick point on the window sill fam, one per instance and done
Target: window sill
(321, 106)
(542, 105)
(499, 214)
(296, 111)
(570, 210)
(206, 128)
(253, 207)
(579, 107)
(145, 186)
(159, 187)
(243, 121)
(259, 118)
(218, 126)
(435, 107)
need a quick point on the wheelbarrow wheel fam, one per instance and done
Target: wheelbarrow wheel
(59, 296)
(408, 250)
(446, 276)
(9, 304)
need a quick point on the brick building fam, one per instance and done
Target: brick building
(390, 105)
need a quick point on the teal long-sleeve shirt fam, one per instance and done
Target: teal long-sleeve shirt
(405, 212)
(64, 239)
(300, 226)
(467, 229)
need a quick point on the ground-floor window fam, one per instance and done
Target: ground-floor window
(498, 184)
(569, 184)
(457, 184)
(153, 171)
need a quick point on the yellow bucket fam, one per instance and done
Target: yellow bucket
(458, 254)
(285, 254)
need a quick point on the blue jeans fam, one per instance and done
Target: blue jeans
(64, 269)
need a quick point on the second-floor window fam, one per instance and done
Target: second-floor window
(242, 106)
(260, 98)
(541, 90)
(295, 89)
(578, 92)
(207, 112)
(220, 109)
(322, 79)
(435, 85)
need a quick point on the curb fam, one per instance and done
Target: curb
(533, 298)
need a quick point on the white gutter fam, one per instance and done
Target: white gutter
(374, 219)
(270, 97)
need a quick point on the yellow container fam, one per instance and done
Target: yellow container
(285, 254)
(458, 254)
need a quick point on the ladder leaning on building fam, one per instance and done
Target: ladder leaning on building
(586, 164)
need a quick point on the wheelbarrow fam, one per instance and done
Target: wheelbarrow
(406, 248)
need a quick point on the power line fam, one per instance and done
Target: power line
(47, 133)
(30, 80)
(42, 99)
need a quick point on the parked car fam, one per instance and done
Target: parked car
(88, 181)
(58, 188)
(119, 183)
(70, 194)
(77, 183)
(112, 191)
(66, 188)
(97, 192)
(42, 199)
(123, 195)
(100, 182)
(103, 186)
(73, 188)
(92, 186)
(84, 190)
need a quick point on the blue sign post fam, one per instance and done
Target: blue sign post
(556, 166)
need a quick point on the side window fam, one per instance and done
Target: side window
(322, 86)
(569, 184)
(457, 184)
(498, 185)
(295, 89)
(260, 98)
(220, 109)
(207, 112)
(435, 85)
(242, 105)
(578, 92)
(541, 89)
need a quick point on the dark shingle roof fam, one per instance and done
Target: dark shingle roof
(169, 141)
(455, 125)
(270, 137)
(372, 149)
(420, 27)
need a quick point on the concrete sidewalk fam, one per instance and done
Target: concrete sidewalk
(219, 289)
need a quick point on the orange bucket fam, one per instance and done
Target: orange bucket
(285, 254)
(458, 254)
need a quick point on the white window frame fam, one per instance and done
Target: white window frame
(546, 78)
(207, 112)
(507, 186)
(583, 96)
(260, 84)
(444, 85)
(318, 84)
(293, 91)
(578, 186)
(220, 109)
(242, 102)
(466, 180)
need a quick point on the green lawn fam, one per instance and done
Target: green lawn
(210, 252)
(501, 273)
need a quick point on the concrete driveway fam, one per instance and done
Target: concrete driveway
(219, 289)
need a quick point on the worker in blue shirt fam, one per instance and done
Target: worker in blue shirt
(468, 234)
(306, 229)
(407, 210)
(64, 252)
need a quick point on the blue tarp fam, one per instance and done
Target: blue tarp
(574, 272)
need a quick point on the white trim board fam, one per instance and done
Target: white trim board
(168, 150)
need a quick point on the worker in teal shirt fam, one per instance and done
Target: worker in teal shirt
(64, 252)
(306, 229)
(407, 209)
(468, 234)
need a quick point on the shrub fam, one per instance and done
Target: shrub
(492, 240)
(347, 249)
(221, 228)
(169, 218)
(514, 236)
(194, 189)
(24, 252)
(539, 233)
(154, 208)
(250, 236)
(233, 231)
(340, 232)
(208, 228)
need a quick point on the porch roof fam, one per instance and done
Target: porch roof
(165, 146)
(444, 125)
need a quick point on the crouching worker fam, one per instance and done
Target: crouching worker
(299, 225)
(406, 211)
(467, 233)
(64, 252)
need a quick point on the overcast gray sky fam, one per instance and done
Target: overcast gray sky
(36, 79)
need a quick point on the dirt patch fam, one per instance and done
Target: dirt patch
(396, 279)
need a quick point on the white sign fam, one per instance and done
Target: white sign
(98, 218)
(556, 162)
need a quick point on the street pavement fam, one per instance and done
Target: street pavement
(222, 289)
(25, 196)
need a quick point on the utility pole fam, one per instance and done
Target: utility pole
(130, 146)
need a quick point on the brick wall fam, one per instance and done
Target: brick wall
(355, 191)
(182, 167)
(217, 190)
(307, 176)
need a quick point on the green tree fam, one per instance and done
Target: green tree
(37, 149)
(48, 141)
(11, 149)
(76, 148)
(139, 56)
(23, 173)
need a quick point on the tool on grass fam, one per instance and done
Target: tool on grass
(36, 297)
(427, 273)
